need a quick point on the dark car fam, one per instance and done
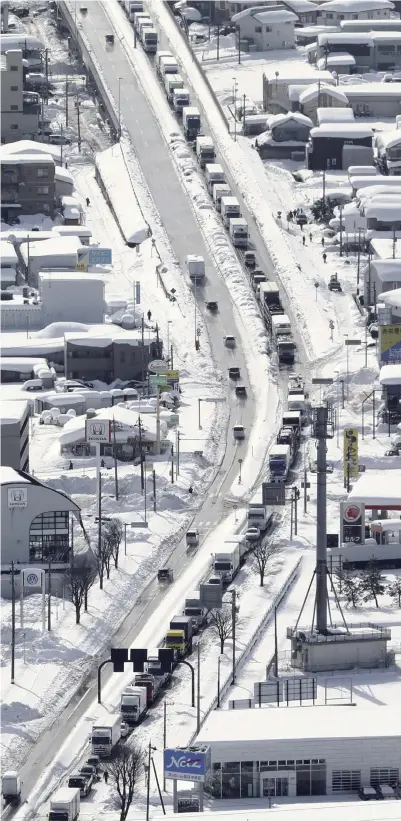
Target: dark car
(249, 259)
(367, 794)
(83, 782)
(212, 306)
(94, 761)
(234, 373)
(240, 390)
(90, 771)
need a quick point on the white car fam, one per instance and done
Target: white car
(124, 729)
(252, 534)
(229, 341)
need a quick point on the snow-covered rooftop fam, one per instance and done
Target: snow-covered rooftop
(74, 430)
(63, 175)
(69, 276)
(384, 248)
(9, 476)
(301, 6)
(335, 115)
(386, 270)
(279, 119)
(373, 90)
(392, 298)
(7, 253)
(318, 88)
(390, 374)
(345, 37)
(378, 489)
(336, 59)
(26, 159)
(20, 363)
(350, 811)
(265, 16)
(297, 73)
(31, 147)
(134, 227)
(356, 6)
(55, 247)
(387, 139)
(238, 726)
(342, 130)
(385, 211)
(13, 411)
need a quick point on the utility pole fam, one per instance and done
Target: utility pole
(49, 598)
(78, 104)
(148, 782)
(141, 452)
(322, 430)
(234, 108)
(275, 644)
(154, 491)
(243, 115)
(13, 621)
(164, 736)
(115, 460)
(47, 73)
(198, 692)
(66, 100)
(177, 447)
(233, 619)
(99, 532)
(143, 350)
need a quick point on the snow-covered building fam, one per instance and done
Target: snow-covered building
(383, 215)
(69, 296)
(319, 95)
(300, 751)
(269, 28)
(386, 24)
(334, 115)
(108, 352)
(35, 528)
(133, 433)
(382, 248)
(374, 99)
(381, 275)
(32, 147)
(336, 146)
(388, 146)
(377, 50)
(14, 423)
(286, 134)
(340, 62)
(305, 10)
(280, 77)
(8, 262)
(335, 11)
(378, 489)
(307, 35)
(27, 184)
(390, 381)
(50, 255)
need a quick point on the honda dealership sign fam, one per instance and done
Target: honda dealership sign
(17, 497)
(187, 764)
(98, 430)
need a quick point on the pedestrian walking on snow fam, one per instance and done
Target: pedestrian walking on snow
(303, 240)
(322, 241)
(149, 315)
(88, 202)
(310, 237)
(324, 255)
(105, 776)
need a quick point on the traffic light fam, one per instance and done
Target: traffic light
(138, 658)
(119, 656)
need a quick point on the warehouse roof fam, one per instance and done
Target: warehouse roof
(318, 811)
(293, 723)
(392, 298)
(345, 131)
(373, 90)
(390, 374)
(13, 411)
(56, 247)
(354, 6)
(379, 489)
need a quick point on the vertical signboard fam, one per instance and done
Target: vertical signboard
(390, 343)
(350, 453)
(352, 523)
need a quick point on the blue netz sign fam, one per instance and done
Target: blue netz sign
(181, 764)
(99, 256)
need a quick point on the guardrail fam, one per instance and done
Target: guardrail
(254, 640)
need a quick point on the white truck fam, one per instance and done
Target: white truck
(196, 267)
(205, 152)
(194, 609)
(259, 516)
(172, 81)
(133, 704)
(279, 462)
(11, 787)
(132, 8)
(159, 54)
(230, 209)
(65, 804)
(144, 23)
(191, 122)
(281, 325)
(239, 232)
(149, 40)
(138, 17)
(105, 736)
(226, 564)
(213, 174)
(168, 65)
(220, 191)
(181, 100)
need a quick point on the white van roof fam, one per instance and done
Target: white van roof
(280, 319)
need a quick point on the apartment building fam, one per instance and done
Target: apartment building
(4, 9)
(27, 184)
(20, 109)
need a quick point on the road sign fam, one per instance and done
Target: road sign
(322, 380)
(273, 493)
(215, 399)
(353, 342)
(350, 453)
(390, 343)
(352, 522)
(157, 366)
(139, 524)
(98, 430)
(361, 468)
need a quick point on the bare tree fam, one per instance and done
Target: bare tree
(103, 556)
(221, 623)
(263, 552)
(79, 579)
(394, 590)
(114, 530)
(124, 770)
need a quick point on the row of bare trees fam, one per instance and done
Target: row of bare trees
(86, 568)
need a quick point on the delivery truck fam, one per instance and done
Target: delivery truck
(286, 350)
(220, 191)
(138, 17)
(269, 296)
(279, 463)
(179, 635)
(226, 564)
(194, 610)
(259, 516)
(159, 54)
(171, 82)
(65, 804)
(230, 209)
(239, 232)
(133, 705)
(104, 736)
(167, 65)
(213, 174)
(281, 326)
(11, 787)
(132, 8)
(196, 267)
(191, 122)
(181, 100)
(152, 684)
(149, 40)
(293, 420)
(205, 151)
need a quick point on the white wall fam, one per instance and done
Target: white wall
(64, 301)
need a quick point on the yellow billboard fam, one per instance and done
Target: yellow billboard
(390, 343)
(350, 453)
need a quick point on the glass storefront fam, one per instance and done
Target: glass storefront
(255, 779)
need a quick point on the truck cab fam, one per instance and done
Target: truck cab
(239, 232)
(191, 121)
(286, 349)
(149, 40)
(195, 265)
(171, 82)
(214, 174)
(230, 209)
(259, 516)
(281, 325)
(11, 787)
(168, 65)
(205, 152)
(181, 99)
(220, 191)
(279, 462)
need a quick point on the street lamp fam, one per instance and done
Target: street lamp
(119, 109)
(235, 89)
(169, 322)
(240, 461)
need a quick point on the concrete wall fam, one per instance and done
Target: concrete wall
(15, 441)
(63, 302)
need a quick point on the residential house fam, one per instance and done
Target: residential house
(320, 95)
(335, 11)
(134, 434)
(374, 50)
(14, 422)
(31, 48)
(269, 29)
(20, 109)
(336, 146)
(107, 355)
(27, 184)
(388, 146)
(374, 99)
(277, 82)
(286, 136)
(381, 275)
(305, 10)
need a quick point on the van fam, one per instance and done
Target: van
(239, 432)
(192, 538)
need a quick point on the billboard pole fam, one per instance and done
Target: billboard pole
(12, 624)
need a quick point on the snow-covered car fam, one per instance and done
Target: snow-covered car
(229, 341)
(252, 534)
(124, 729)
(367, 794)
